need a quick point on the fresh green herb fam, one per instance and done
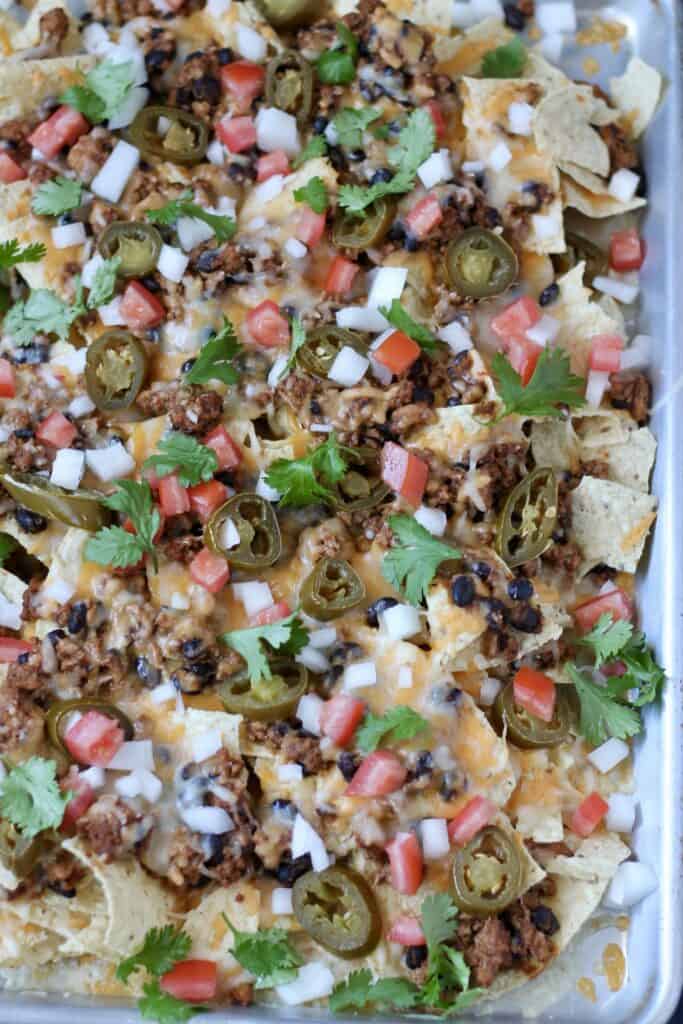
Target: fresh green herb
(415, 145)
(55, 197)
(288, 635)
(161, 949)
(607, 638)
(7, 546)
(298, 338)
(505, 61)
(358, 991)
(642, 673)
(104, 91)
(30, 797)
(104, 283)
(411, 565)
(602, 714)
(11, 253)
(42, 312)
(267, 954)
(307, 481)
(112, 545)
(552, 385)
(215, 358)
(447, 970)
(164, 1008)
(350, 124)
(399, 318)
(338, 66)
(316, 146)
(399, 723)
(314, 194)
(185, 455)
(223, 227)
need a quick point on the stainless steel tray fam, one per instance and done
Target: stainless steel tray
(653, 942)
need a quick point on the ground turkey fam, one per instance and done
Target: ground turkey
(89, 154)
(189, 409)
(631, 390)
(112, 828)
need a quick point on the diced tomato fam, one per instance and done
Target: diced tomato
(84, 796)
(10, 170)
(616, 603)
(244, 81)
(139, 308)
(173, 497)
(340, 717)
(535, 692)
(310, 227)
(397, 352)
(227, 451)
(605, 354)
(437, 116)
(57, 431)
(11, 649)
(614, 668)
(588, 815)
(191, 980)
(209, 570)
(407, 931)
(626, 250)
(267, 616)
(473, 817)
(405, 863)
(276, 162)
(340, 276)
(424, 216)
(523, 356)
(206, 498)
(8, 381)
(267, 325)
(516, 319)
(61, 129)
(404, 472)
(379, 773)
(237, 133)
(94, 738)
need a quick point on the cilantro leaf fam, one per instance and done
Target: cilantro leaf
(267, 954)
(447, 970)
(42, 312)
(307, 481)
(298, 338)
(411, 565)
(104, 283)
(642, 672)
(288, 635)
(314, 194)
(505, 61)
(399, 318)
(11, 253)
(104, 91)
(222, 226)
(7, 546)
(602, 714)
(30, 797)
(350, 124)
(606, 638)
(112, 545)
(161, 949)
(214, 361)
(338, 65)
(358, 990)
(439, 917)
(398, 723)
(193, 461)
(164, 1008)
(552, 385)
(316, 146)
(55, 197)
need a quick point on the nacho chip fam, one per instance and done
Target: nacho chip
(23, 85)
(636, 93)
(563, 128)
(28, 35)
(580, 319)
(211, 936)
(462, 55)
(610, 523)
(589, 194)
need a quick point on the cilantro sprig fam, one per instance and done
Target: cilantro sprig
(399, 318)
(161, 949)
(359, 990)
(607, 638)
(57, 196)
(410, 566)
(505, 61)
(307, 481)
(316, 146)
(314, 194)
(30, 797)
(180, 453)
(338, 65)
(267, 954)
(164, 1008)
(222, 226)
(103, 91)
(350, 123)
(297, 340)
(396, 724)
(215, 358)
(602, 714)
(42, 312)
(552, 385)
(12, 254)
(104, 283)
(115, 546)
(288, 636)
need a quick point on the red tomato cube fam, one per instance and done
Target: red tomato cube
(424, 216)
(227, 451)
(523, 356)
(626, 250)
(57, 430)
(244, 80)
(437, 116)
(340, 276)
(267, 616)
(173, 497)
(8, 380)
(84, 796)
(405, 863)
(616, 603)
(407, 931)
(267, 325)
(237, 133)
(61, 129)
(191, 980)
(404, 472)
(398, 352)
(139, 308)
(588, 815)
(516, 319)
(379, 774)
(94, 738)
(310, 227)
(206, 498)
(535, 692)
(209, 570)
(340, 717)
(10, 170)
(276, 162)
(605, 354)
(474, 816)
(11, 649)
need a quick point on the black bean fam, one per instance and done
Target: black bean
(356, 155)
(410, 243)
(226, 477)
(65, 218)
(202, 669)
(520, 589)
(396, 232)
(289, 870)
(23, 658)
(336, 158)
(315, 407)
(424, 764)
(224, 55)
(30, 355)
(284, 809)
(192, 648)
(24, 433)
(454, 400)
(61, 889)
(183, 96)
(377, 607)
(54, 635)
(78, 617)
(549, 294)
(382, 174)
(416, 956)
(481, 569)
(207, 88)
(453, 696)
(151, 284)
(213, 847)
(147, 673)
(30, 522)
(347, 763)
(156, 60)
(526, 619)
(462, 591)
(320, 123)
(514, 18)
(544, 919)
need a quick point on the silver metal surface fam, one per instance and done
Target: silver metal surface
(653, 943)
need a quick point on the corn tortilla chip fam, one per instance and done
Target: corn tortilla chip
(610, 523)
(23, 85)
(580, 319)
(589, 194)
(563, 128)
(636, 94)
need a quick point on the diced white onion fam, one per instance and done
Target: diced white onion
(172, 263)
(256, 223)
(312, 659)
(305, 839)
(473, 167)
(290, 772)
(217, 8)
(151, 786)
(380, 371)
(81, 405)
(619, 290)
(638, 354)
(331, 135)
(162, 693)
(276, 129)
(281, 901)
(10, 614)
(90, 269)
(609, 754)
(434, 836)
(110, 314)
(112, 178)
(519, 118)
(205, 744)
(255, 596)
(95, 39)
(359, 675)
(557, 16)
(308, 713)
(215, 153)
(323, 638)
(551, 46)
(296, 249)
(487, 9)
(433, 519)
(94, 776)
(387, 283)
(632, 882)
(128, 786)
(130, 108)
(499, 157)
(349, 367)
(623, 185)
(109, 463)
(264, 490)
(180, 602)
(621, 816)
(59, 590)
(544, 330)
(268, 189)
(229, 536)
(67, 235)
(435, 169)
(401, 621)
(277, 371)
(192, 232)
(70, 358)
(596, 384)
(360, 318)
(210, 821)
(68, 468)
(314, 981)
(490, 689)
(250, 44)
(463, 14)
(405, 677)
(456, 336)
(545, 226)
(133, 755)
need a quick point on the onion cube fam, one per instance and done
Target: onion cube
(359, 675)
(255, 596)
(162, 693)
(433, 520)
(81, 405)
(264, 490)
(597, 383)
(109, 463)
(551, 46)
(89, 270)
(94, 776)
(545, 330)
(405, 677)
(473, 167)
(435, 169)
(621, 816)
(313, 659)
(387, 285)
(172, 263)
(217, 8)
(275, 129)
(308, 713)
(622, 291)
(487, 9)
(10, 614)
(545, 226)
(268, 189)
(632, 882)
(131, 106)
(110, 314)
(434, 836)
(490, 688)
(113, 176)
(463, 14)
(348, 368)
(210, 821)
(360, 318)
(281, 901)
(323, 638)
(401, 621)
(306, 840)
(314, 981)
(520, 116)
(67, 235)
(559, 16)
(128, 786)
(68, 468)
(133, 755)
(296, 249)
(290, 772)
(456, 336)
(622, 185)
(609, 754)
(250, 44)
(499, 157)
(192, 232)
(215, 153)
(229, 535)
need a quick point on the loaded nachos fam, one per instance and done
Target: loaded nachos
(325, 477)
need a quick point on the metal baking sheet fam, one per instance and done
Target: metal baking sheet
(652, 941)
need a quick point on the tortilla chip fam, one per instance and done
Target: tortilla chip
(25, 945)
(452, 629)
(589, 194)
(81, 923)
(462, 55)
(223, 28)
(554, 444)
(610, 523)
(563, 128)
(279, 211)
(17, 221)
(481, 753)
(580, 319)
(435, 14)
(458, 429)
(24, 85)
(194, 722)
(211, 937)
(24, 37)
(596, 859)
(636, 94)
